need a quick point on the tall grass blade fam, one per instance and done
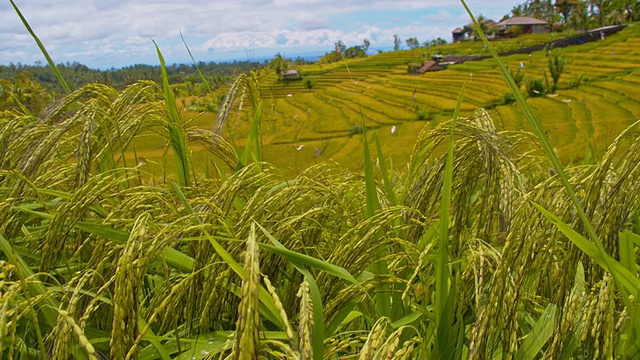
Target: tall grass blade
(302, 259)
(272, 312)
(176, 130)
(382, 299)
(36, 288)
(445, 284)
(204, 79)
(537, 129)
(63, 83)
(538, 336)
(627, 254)
(253, 140)
(298, 260)
(388, 185)
(626, 279)
(373, 203)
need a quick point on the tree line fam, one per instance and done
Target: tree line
(579, 14)
(35, 86)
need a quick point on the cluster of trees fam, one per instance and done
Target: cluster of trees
(342, 51)
(579, 14)
(76, 75)
(413, 43)
(23, 93)
(279, 64)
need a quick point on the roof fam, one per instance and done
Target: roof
(290, 72)
(522, 20)
(457, 31)
(430, 65)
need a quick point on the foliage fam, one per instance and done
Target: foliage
(576, 81)
(342, 52)
(279, 65)
(412, 43)
(473, 250)
(25, 92)
(535, 87)
(356, 129)
(517, 76)
(507, 99)
(307, 82)
(557, 64)
(396, 42)
(76, 75)
(365, 45)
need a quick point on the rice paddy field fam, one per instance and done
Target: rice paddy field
(377, 215)
(378, 92)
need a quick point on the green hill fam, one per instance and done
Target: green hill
(378, 92)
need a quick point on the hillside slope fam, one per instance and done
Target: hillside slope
(302, 126)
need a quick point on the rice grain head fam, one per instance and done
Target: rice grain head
(248, 323)
(305, 324)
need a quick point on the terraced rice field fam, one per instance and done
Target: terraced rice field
(303, 126)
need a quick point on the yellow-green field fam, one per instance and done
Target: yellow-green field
(299, 123)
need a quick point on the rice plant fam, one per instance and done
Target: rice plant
(477, 247)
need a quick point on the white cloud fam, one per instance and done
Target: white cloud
(93, 31)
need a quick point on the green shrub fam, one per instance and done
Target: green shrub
(535, 87)
(557, 64)
(507, 98)
(357, 129)
(518, 77)
(576, 81)
(308, 83)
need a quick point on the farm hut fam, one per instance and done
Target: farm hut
(457, 35)
(290, 75)
(529, 25)
(491, 27)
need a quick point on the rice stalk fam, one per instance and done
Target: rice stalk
(248, 323)
(126, 303)
(305, 321)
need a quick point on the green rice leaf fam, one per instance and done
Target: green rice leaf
(388, 185)
(177, 135)
(265, 298)
(253, 141)
(297, 260)
(408, 320)
(373, 203)
(63, 83)
(204, 79)
(445, 304)
(539, 335)
(627, 253)
(36, 288)
(629, 282)
(302, 259)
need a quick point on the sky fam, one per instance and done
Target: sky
(116, 33)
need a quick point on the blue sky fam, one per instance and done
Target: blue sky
(109, 33)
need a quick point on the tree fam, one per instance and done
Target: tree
(279, 64)
(340, 47)
(354, 52)
(556, 64)
(565, 7)
(396, 42)
(542, 9)
(365, 46)
(618, 11)
(412, 43)
(23, 91)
